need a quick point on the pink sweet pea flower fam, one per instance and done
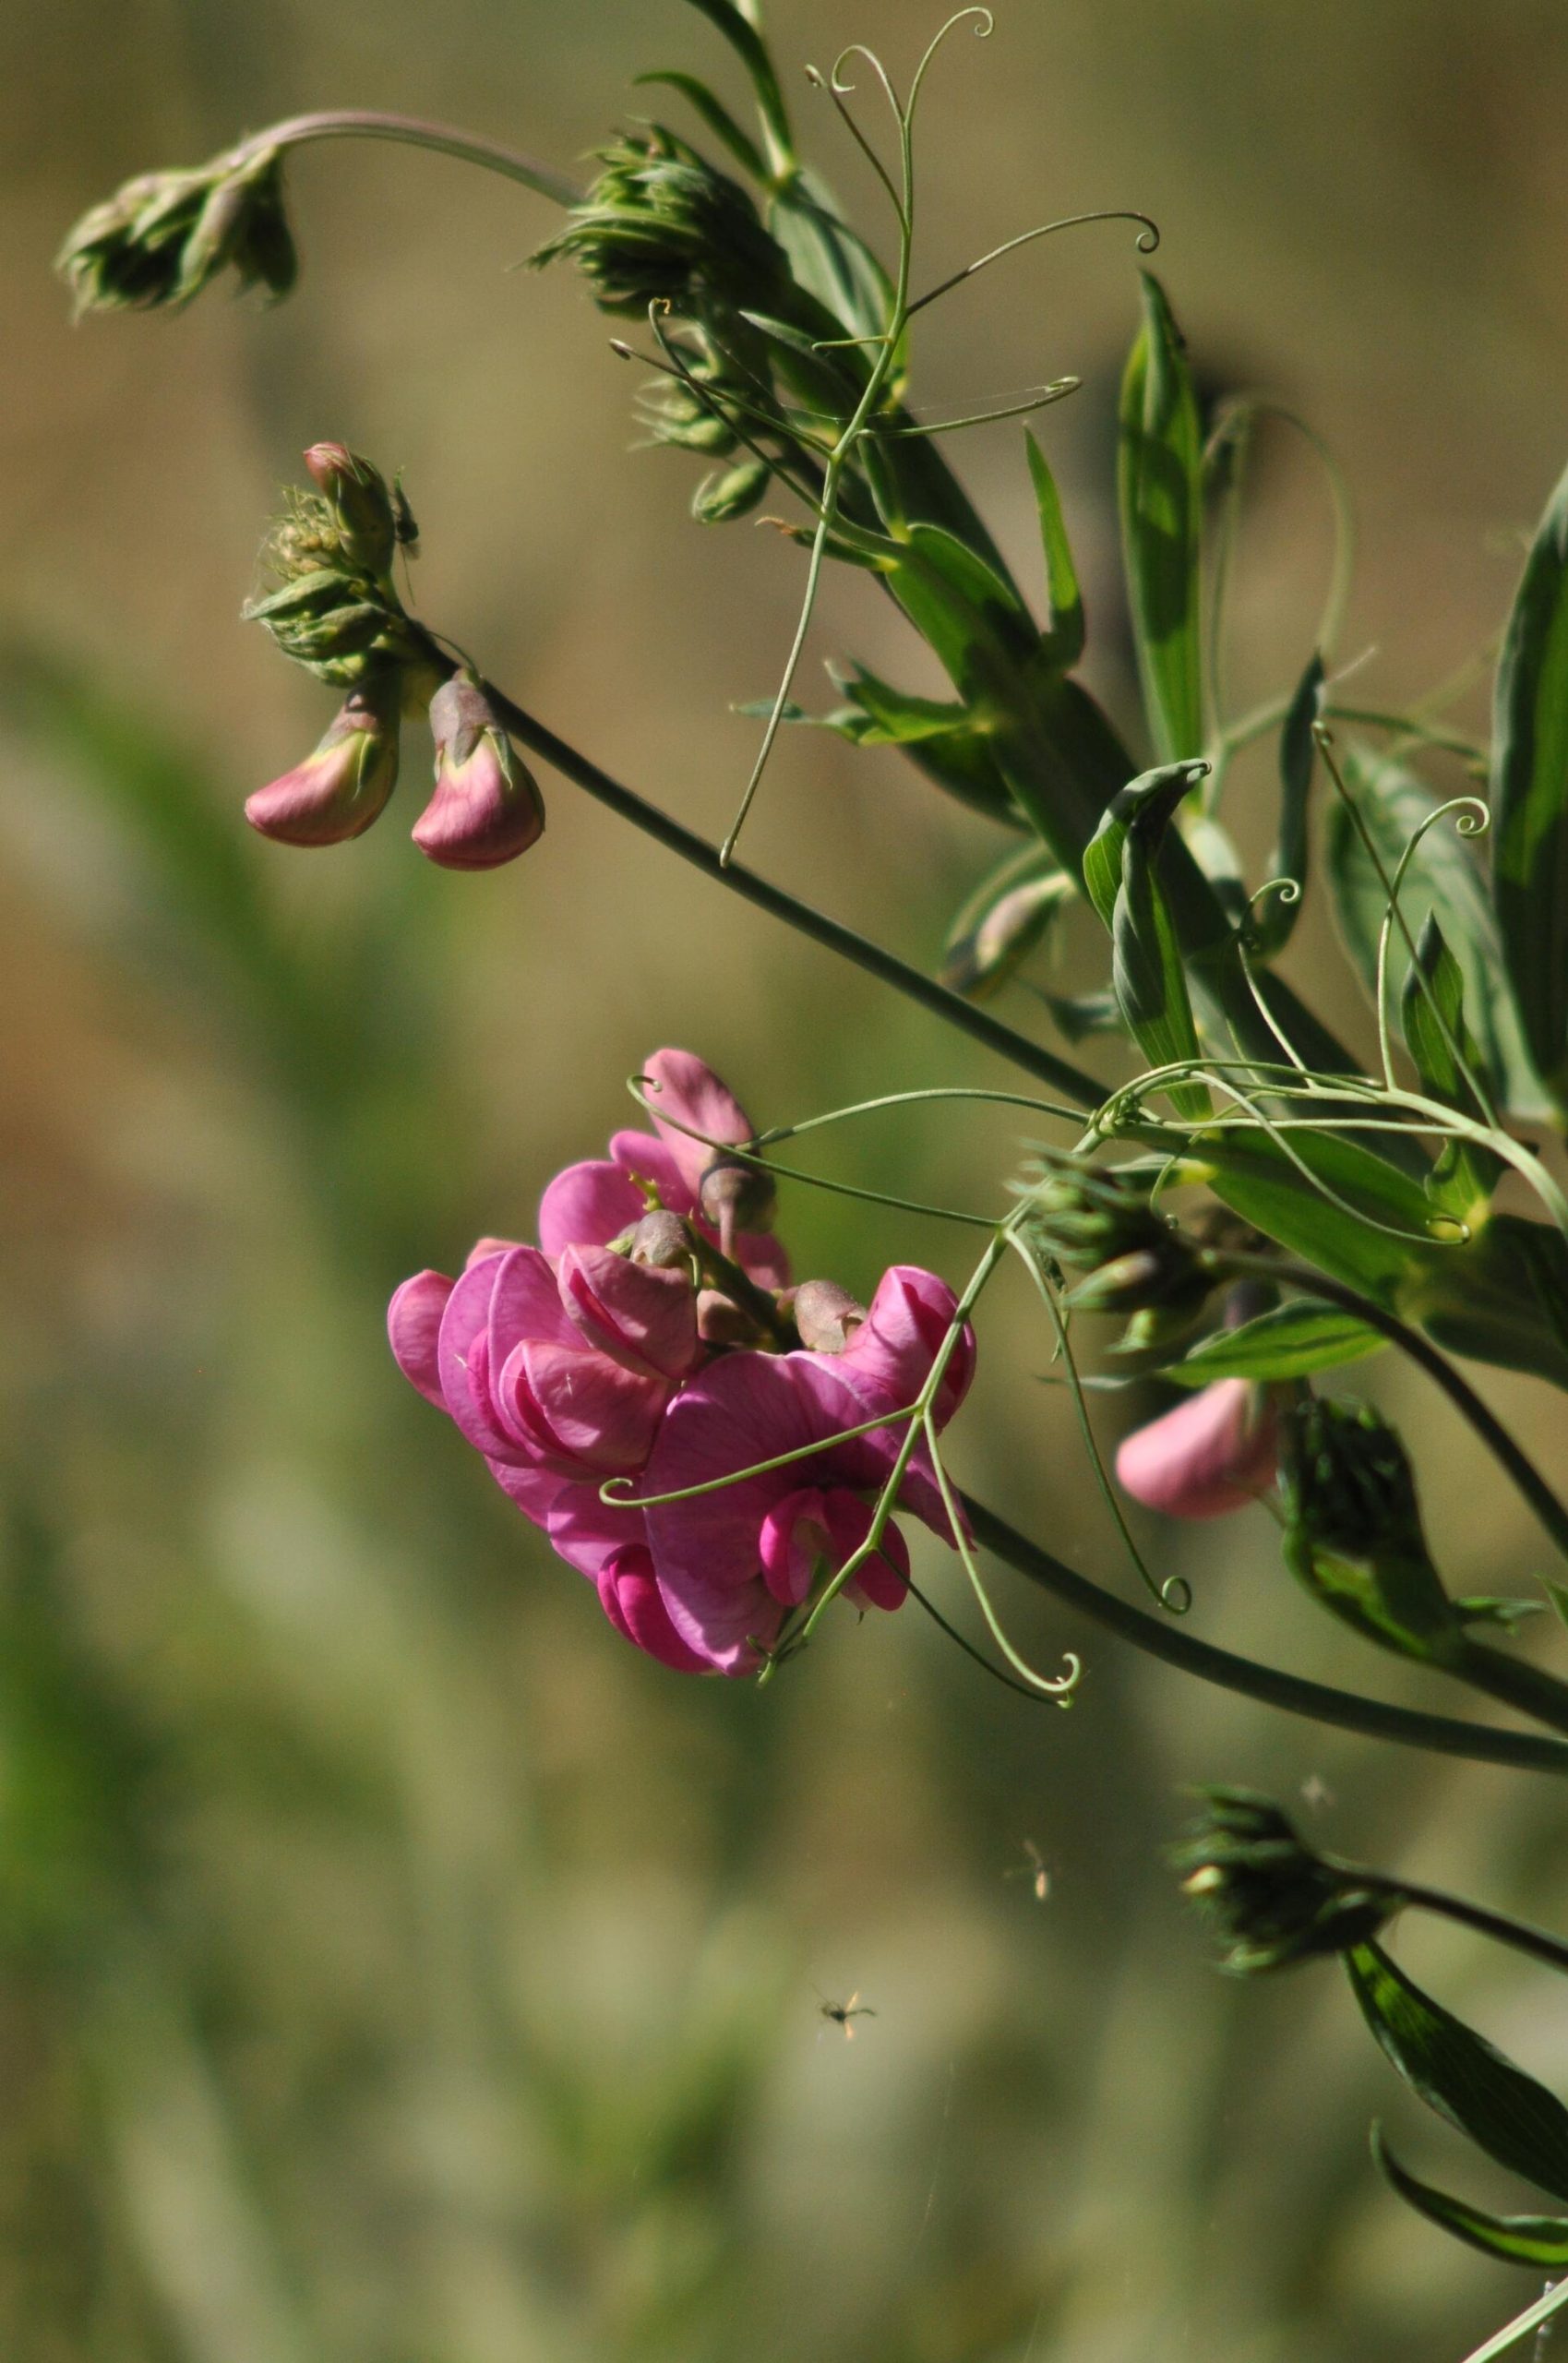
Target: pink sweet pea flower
(1214, 1454)
(487, 808)
(729, 1561)
(337, 791)
(890, 1352)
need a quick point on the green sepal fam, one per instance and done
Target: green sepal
(1530, 795)
(1160, 486)
(1288, 1342)
(1467, 2080)
(1537, 2241)
(1061, 644)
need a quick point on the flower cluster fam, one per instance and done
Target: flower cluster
(164, 237)
(337, 612)
(652, 1337)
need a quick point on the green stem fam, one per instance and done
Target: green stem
(1518, 1466)
(886, 966)
(367, 123)
(1524, 1938)
(1479, 1742)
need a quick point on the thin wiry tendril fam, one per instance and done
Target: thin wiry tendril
(983, 32)
(1058, 391)
(1062, 1688)
(838, 91)
(1145, 244)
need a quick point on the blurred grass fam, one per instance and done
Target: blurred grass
(393, 1968)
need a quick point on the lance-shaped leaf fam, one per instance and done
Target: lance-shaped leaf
(1459, 2074)
(1291, 1342)
(1530, 797)
(1160, 484)
(1449, 1063)
(752, 50)
(1062, 643)
(1276, 916)
(1007, 917)
(1537, 2241)
(716, 116)
(1442, 875)
(1121, 874)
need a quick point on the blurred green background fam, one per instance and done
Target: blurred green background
(394, 1968)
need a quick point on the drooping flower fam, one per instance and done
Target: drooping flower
(487, 808)
(337, 791)
(1212, 1455)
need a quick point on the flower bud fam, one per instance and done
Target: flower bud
(719, 499)
(662, 1241)
(735, 1196)
(826, 1315)
(1102, 1226)
(486, 808)
(164, 237)
(337, 791)
(1272, 1900)
(1353, 1530)
(674, 412)
(362, 507)
(661, 227)
(340, 627)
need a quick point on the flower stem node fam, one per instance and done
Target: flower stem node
(1270, 1899)
(487, 808)
(164, 237)
(337, 791)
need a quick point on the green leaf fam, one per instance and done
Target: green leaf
(1292, 852)
(948, 590)
(1147, 977)
(1062, 643)
(1539, 2240)
(1006, 918)
(717, 117)
(1328, 1200)
(1459, 2074)
(1432, 1016)
(942, 739)
(1530, 797)
(1442, 877)
(1160, 486)
(749, 47)
(1291, 1342)
(829, 259)
(1161, 790)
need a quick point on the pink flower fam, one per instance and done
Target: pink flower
(731, 1561)
(487, 808)
(890, 1353)
(337, 791)
(1211, 1455)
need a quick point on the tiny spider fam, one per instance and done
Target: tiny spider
(1035, 1870)
(841, 2013)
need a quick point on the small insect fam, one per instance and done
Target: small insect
(841, 2013)
(1315, 1792)
(1033, 1871)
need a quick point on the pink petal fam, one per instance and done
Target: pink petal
(462, 1362)
(525, 1301)
(793, 1536)
(1211, 1455)
(588, 1205)
(413, 1326)
(641, 1316)
(583, 1412)
(894, 1347)
(585, 1531)
(649, 1161)
(630, 1593)
(761, 1258)
(533, 1490)
(689, 1091)
(883, 1581)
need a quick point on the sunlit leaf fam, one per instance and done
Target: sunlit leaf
(1160, 486)
(1276, 916)
(1446, 1056)
(1291, 1342)
(1530, 796)
(1537, 2241)
(1063, 641)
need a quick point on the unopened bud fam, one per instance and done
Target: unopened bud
(164, 237)
(1353, 1533)
(733, 492)
(826, 1315)
(661, 1239)
(337, 791)
(983, 954)
(735, 1196)
(1272, 1899)
(362, 507)
(721, 1322)
(340, 627)
(1101, 1225)
(487, 808)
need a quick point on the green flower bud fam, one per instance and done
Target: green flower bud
(659, 225)
(1353, 1530)
(1101, 1225)
(164, 237)
(1270, 1899)
(674, 414)
(731, 493)
(362, 509)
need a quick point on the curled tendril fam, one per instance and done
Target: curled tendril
(1062, 1688)
(1146, 242)
(616, 1491)
(983, 29)
(841, 88)
(1288, 889)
